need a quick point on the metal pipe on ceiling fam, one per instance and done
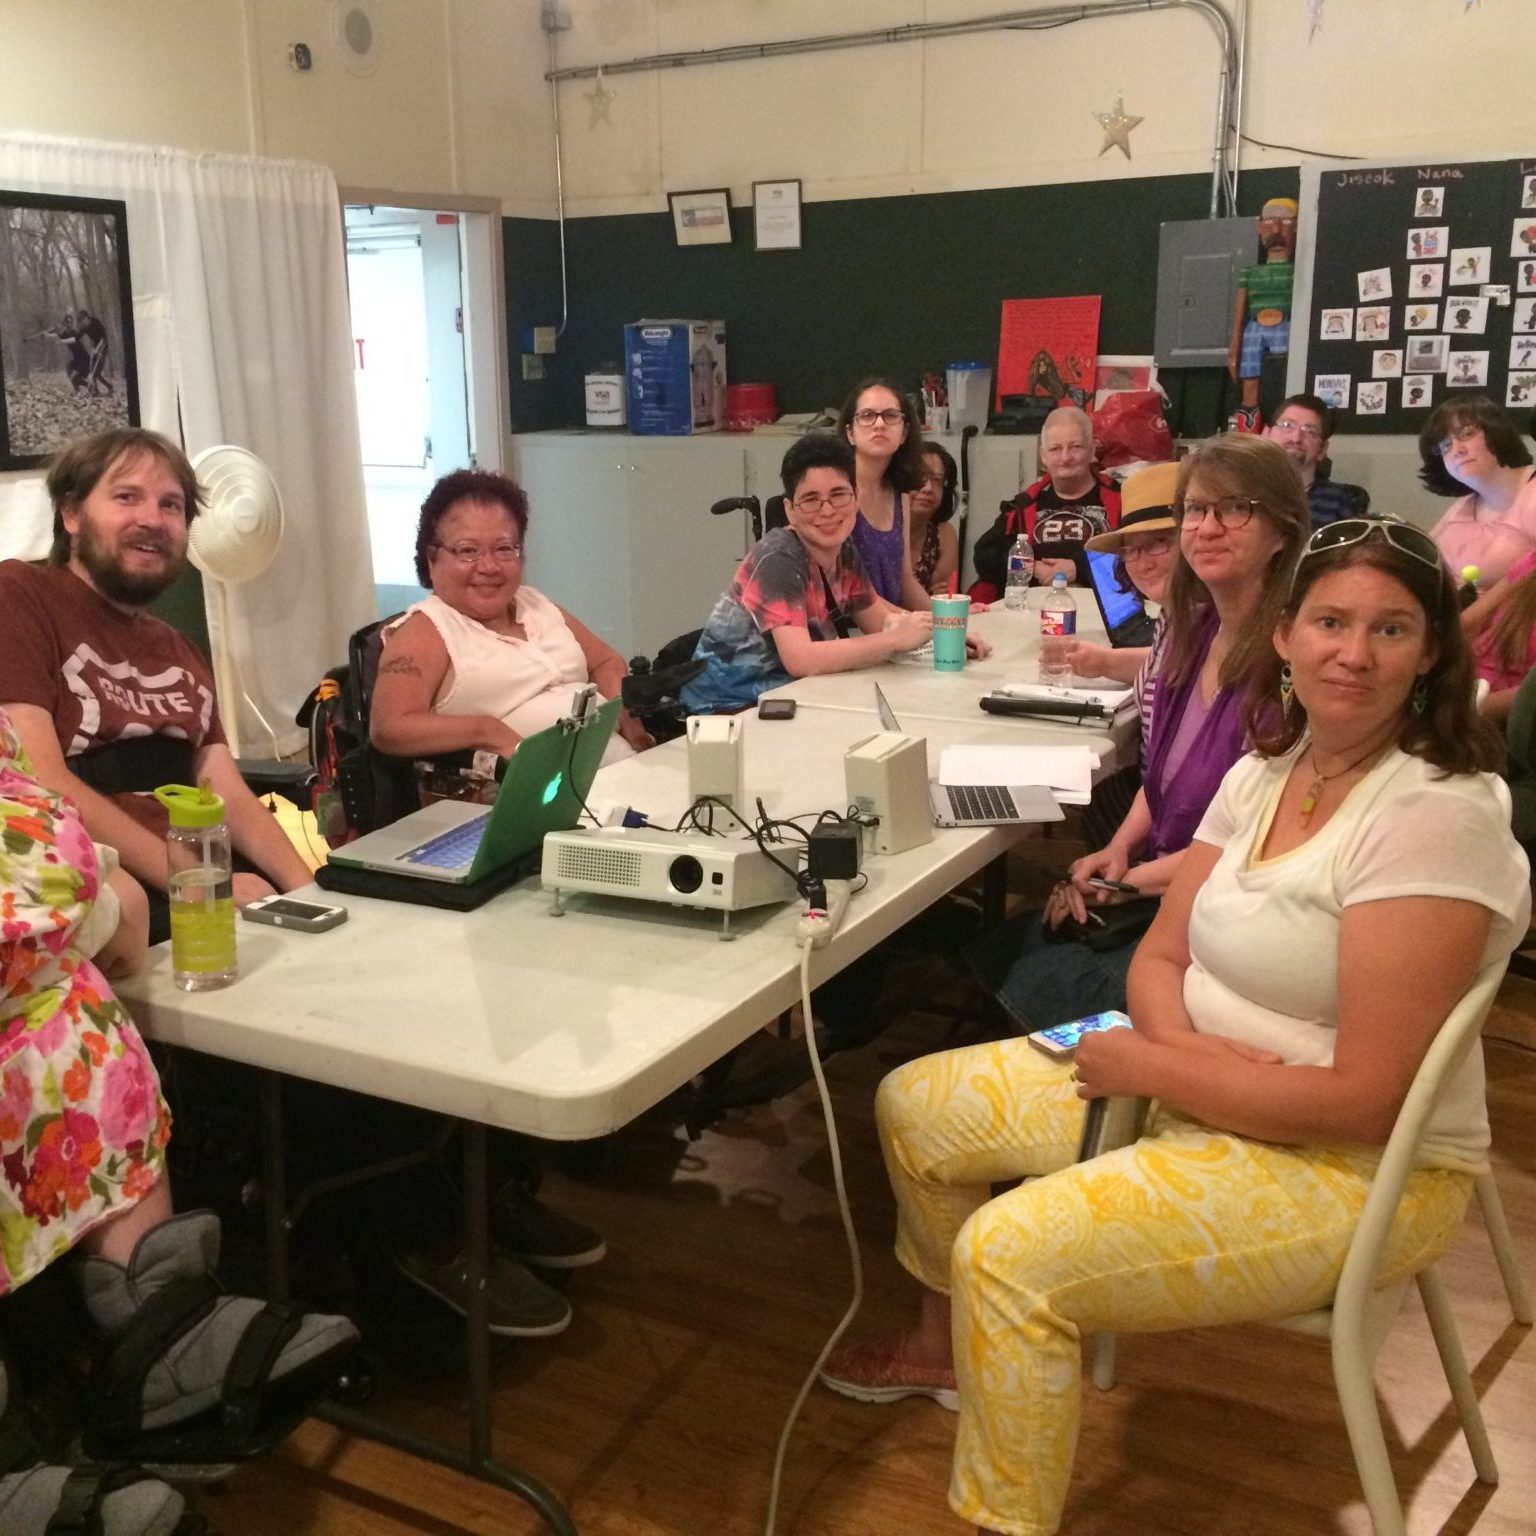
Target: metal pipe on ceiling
(1040, 19)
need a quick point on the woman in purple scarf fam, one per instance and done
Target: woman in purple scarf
(1242, 522)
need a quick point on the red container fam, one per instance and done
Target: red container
(749, 405)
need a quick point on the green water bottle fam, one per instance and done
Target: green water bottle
(201, 888)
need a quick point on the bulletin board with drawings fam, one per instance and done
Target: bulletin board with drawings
(1423, 283)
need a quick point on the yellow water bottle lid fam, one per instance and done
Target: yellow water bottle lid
(1470, 573)
(191, 807)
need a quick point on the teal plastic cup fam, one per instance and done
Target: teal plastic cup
(951, 616)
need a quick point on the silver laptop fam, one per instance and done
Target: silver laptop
(979, 805)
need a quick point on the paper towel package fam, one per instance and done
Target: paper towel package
(674, 373)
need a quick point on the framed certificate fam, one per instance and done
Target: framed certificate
(776, 215)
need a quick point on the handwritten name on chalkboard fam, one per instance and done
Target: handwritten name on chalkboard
(1386, 176)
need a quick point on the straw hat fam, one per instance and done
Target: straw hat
(1146, 506)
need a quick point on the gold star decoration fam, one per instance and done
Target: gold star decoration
(600, 100)
(1117, 127)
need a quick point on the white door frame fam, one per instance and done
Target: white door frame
(485, 307)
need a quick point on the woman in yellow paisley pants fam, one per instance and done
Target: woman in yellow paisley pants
(1351, 879)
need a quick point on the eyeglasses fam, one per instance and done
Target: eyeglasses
(472, 554)
(867, 417)
(1462, 434)
(1355, 530)
(811, 503)
(1150, 544)
(1229, 511)
(1300, 428)
(938, 482)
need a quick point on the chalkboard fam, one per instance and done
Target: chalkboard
(1405, 307)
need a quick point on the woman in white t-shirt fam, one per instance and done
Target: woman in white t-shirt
(485, 660)
(1349, 882)
(1470, 445)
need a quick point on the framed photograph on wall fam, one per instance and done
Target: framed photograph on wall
(66, 323)
(701, 218)
(776, 215)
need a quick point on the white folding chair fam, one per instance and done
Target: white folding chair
(1362, 1312)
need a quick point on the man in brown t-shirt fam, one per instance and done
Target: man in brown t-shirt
(108, 700)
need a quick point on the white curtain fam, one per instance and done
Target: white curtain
(243, 333)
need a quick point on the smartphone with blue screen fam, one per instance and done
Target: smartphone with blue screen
(1061, 1040)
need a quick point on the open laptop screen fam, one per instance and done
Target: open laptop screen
(1124, 616)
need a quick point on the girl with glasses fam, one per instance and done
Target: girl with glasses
(933, 544)
(881, 424)
(1469, 445)
(486, 659)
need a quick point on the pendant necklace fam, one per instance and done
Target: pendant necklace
(1319, 779)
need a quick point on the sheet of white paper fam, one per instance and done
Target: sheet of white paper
(1067, 771)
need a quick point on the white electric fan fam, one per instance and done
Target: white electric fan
(233, 539)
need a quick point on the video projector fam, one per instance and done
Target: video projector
(684, 869)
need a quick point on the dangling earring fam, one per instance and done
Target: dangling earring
(1287, 692)
(1420, 700)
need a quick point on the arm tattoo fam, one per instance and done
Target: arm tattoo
(404, 666)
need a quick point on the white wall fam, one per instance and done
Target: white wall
(457, 100)
(215, 75)
(1015, 108)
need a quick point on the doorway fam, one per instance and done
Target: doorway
(421, 295)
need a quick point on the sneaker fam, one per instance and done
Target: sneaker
(521, 1305)
(523, 1225)
(877, 1373)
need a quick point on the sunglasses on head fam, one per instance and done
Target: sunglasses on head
(1356, 530)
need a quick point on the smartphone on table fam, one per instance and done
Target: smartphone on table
(776, 709)
(287, 912)
(1061, 1040)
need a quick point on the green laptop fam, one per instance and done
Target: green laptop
(459, 844)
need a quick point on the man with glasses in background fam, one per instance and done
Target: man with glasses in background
(801, 602)
(1302, 427)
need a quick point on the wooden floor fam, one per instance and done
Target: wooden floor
(657, 1413)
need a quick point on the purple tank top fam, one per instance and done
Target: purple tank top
(884, 554)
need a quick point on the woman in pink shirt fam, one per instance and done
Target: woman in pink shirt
(1470, 445)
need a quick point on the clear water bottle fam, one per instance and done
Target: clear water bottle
(1021, 571)
(201, 888)
(1058, 627)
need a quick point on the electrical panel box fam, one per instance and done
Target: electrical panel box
(1198, 261)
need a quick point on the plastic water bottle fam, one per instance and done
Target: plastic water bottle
(1466, 593)
(201, 887)
(1021, 571)
(1058, 624)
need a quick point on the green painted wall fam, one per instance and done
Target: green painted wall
(894, 285)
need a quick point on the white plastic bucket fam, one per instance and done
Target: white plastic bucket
(970, 395)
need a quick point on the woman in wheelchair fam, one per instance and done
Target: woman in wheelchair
(184, 1373)
(486, 659)
(1352, 879)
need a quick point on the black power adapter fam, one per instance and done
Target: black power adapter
(835, 849)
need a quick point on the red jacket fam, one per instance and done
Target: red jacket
(1022, 514)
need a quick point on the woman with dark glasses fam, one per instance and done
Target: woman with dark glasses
(1352, 879)
(933, 543)
(1469, 445)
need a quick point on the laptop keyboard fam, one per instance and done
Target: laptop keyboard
(980, 803)
(454, 849)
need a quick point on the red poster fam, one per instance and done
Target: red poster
(1048, 347)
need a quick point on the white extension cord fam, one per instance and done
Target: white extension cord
(814, 931)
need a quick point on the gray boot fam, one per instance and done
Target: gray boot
(186, 1373)
(116, 1502)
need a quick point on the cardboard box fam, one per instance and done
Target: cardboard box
(674, 373)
